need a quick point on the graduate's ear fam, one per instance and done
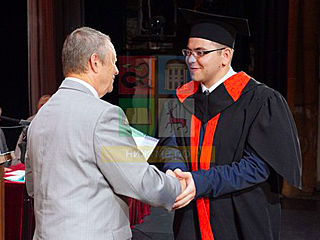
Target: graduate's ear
(226, 56)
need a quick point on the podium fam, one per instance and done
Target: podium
(3, 159)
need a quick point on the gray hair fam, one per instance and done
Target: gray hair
(79, 47)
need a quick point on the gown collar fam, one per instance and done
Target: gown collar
(206, 107)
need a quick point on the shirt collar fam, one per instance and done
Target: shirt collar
(87, 85)
(230, 73)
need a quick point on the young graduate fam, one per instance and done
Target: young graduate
(239, 141)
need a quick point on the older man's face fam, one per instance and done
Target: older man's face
(109, 70)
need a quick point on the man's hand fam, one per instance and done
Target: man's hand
(181, 180)
(7, 169)
(188, 193)
(170, 173)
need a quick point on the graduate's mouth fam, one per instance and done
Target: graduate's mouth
(194, 69)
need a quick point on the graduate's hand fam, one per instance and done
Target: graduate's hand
(181, 180)
(188, 194)
(7, 169)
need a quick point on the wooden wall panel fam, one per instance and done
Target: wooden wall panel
(303, 81)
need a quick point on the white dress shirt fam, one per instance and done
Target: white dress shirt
(87, 85)
(230, 73)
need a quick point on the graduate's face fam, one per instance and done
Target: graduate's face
(206, 69)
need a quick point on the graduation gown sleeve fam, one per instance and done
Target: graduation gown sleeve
(273, 136)
(224, 179)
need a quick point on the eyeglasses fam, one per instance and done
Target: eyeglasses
(198, 53)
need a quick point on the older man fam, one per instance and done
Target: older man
(81, 168)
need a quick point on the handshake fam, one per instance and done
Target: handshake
(188, 189)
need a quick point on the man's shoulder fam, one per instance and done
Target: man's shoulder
(78, 104)
(93, 102)
(261, 91)
(104, 108)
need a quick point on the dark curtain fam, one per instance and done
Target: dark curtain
(303, 81)
(42, 52)
(269, 24)
(49, 22)
(109, 18)
(14, 66)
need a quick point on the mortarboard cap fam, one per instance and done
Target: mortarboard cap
(216, 28)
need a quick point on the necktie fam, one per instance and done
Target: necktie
(203, 125)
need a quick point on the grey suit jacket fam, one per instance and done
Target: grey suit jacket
(81, 169)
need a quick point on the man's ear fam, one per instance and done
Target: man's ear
(94, 62)
(226, 56)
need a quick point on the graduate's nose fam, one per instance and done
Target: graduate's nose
(190, 59)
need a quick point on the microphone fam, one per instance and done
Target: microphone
(23, 144)
(16, 121)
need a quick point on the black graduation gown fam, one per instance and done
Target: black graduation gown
(257, 116)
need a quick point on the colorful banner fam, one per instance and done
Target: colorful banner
(172, 73)
(140, 113)
(136, 75)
